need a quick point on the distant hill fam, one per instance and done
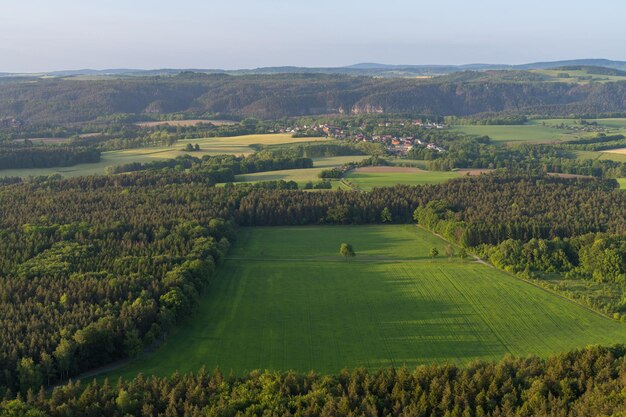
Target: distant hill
(361, 69)
(61, 100)
(621, 65)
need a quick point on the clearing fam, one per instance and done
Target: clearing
(301, 175)
(367, 178)
(285, 299)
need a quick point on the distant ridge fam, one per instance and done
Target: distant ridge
(365, 69)
(600, 62)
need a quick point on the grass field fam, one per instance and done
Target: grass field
(365, 179)
(555, 76)
(285, 299)
(605, 155)
(615, 123)
(542, 130)
(237, 145)
(622, 183)
(301, 175)
(529, 133)
(610, 123)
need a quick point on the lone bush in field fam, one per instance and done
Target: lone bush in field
(433, 252)
(347, 251)
(385, 215)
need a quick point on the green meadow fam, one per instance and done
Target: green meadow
(285, 299)
(528, 133)
(365, 181)
(301, 175)
(578, 76)
(611, 155)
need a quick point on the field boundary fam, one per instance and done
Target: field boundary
(482, 261)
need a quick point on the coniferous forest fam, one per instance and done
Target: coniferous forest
(97, 268)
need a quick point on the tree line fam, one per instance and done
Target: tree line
(479, 152)
(221, 168)
(598, 258)
(21, 156)
(580, 383)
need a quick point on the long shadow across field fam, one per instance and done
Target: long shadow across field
(392, 308)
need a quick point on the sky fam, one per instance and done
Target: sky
(45, 35)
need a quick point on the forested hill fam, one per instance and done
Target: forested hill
(273, 96)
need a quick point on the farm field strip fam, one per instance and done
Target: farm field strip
(610, 156)
(301, 175)
(367, 179)
(528, 133)
(621, 151)
(395, 307)
(236, 145)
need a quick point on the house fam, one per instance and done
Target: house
(435, 147)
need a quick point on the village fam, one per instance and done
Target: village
(395, 144)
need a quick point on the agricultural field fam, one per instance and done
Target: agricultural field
(607, 123)
(544, 130)
(528, 133)
(611, 155)
(285, 299)
(237, 145)
(301, 175)
(367, 178)
(578, 76)
(615, 123)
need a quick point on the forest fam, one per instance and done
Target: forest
(46, 156)
(96, 268)
(221, 168)
(464, 151)
(581, 383)
(57, 100)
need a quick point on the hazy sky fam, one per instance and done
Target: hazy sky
(41, 35)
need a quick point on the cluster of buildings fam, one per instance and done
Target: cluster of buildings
(400, 146)
(396, 145)
(428, 124)
(11, 122)
(336, 132)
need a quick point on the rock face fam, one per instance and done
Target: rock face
(367, 109)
